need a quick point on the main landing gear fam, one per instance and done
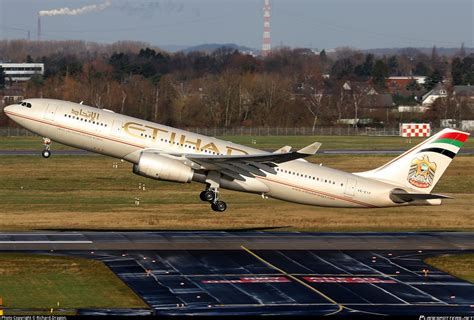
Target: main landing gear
(46, 153)
(212, 195)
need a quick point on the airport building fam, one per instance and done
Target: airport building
(21, 71)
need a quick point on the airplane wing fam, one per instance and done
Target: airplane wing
(241, 166)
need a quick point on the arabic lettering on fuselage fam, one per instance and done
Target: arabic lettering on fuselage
(86, 114)
(141, 131)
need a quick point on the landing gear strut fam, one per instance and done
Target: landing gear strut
(46, 153)
(211, 194)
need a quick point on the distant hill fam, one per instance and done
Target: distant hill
(440, 50)
(211, 47)
(172, 47)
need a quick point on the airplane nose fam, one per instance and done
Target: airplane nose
(8, 109)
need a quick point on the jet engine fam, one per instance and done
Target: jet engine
(156, 166)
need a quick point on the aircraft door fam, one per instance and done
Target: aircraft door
(350, 187)
(117, 127)
(50, 111)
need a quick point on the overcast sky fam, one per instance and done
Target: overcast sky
(299, 23)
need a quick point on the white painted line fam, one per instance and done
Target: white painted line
(40, 234)
(42, 242)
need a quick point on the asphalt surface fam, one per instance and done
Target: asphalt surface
(242, 273)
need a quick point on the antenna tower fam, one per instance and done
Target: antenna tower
(39, 28)
(266, 45)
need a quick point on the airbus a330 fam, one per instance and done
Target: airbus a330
(166, 153)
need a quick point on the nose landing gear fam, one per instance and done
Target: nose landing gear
(46, 153)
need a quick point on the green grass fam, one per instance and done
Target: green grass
(86, 192)
(41, 281)
(459, 265)
(264, 142)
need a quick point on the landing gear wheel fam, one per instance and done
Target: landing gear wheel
(47, 148)
(208, 195)
(219, 206)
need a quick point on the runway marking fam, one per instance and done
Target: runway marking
(273, 274)
(347, 279)
(249, 280)
(340, 306)
(374, 285)
(40, 234)
(43, 242)
(414, 288)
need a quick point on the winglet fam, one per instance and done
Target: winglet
(311, 149)
(284, 149)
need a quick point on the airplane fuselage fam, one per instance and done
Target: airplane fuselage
(123, 137)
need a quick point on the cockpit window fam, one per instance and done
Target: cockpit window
(26, 104)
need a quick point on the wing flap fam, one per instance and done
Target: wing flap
(248, 165)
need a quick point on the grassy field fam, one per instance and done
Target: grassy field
(265, 142)
(86, 192)
(460, 266)
(73, 282)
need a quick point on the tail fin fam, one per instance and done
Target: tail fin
(421, 167)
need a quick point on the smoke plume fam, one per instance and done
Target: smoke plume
(73, 12)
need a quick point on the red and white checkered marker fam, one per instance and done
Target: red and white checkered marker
(409, 130)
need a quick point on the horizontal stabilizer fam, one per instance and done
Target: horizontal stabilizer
(311, 149)
(402, 196)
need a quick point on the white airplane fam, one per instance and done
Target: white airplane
(166, 153)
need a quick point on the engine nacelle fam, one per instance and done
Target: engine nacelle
(155, 166)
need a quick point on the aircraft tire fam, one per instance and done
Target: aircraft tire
(219, 206)
(46, 154)
(202, 195)
(208, 195)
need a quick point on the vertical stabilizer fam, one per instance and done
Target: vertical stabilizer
(421, 167)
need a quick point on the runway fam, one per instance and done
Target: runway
(242, 273)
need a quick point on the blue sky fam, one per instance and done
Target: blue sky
(308, 23)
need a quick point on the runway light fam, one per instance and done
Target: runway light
(420, 251)
(199, 297)
(182, 283)
(144, 258)
(209, 306)
(373, 258)
(92, 252)
(397, 272)
(389, 254)
(153, 261)
(453, 297)
(123, 254)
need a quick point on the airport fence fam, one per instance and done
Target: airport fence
(255, 131)
(294, 131)
(261, 131)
